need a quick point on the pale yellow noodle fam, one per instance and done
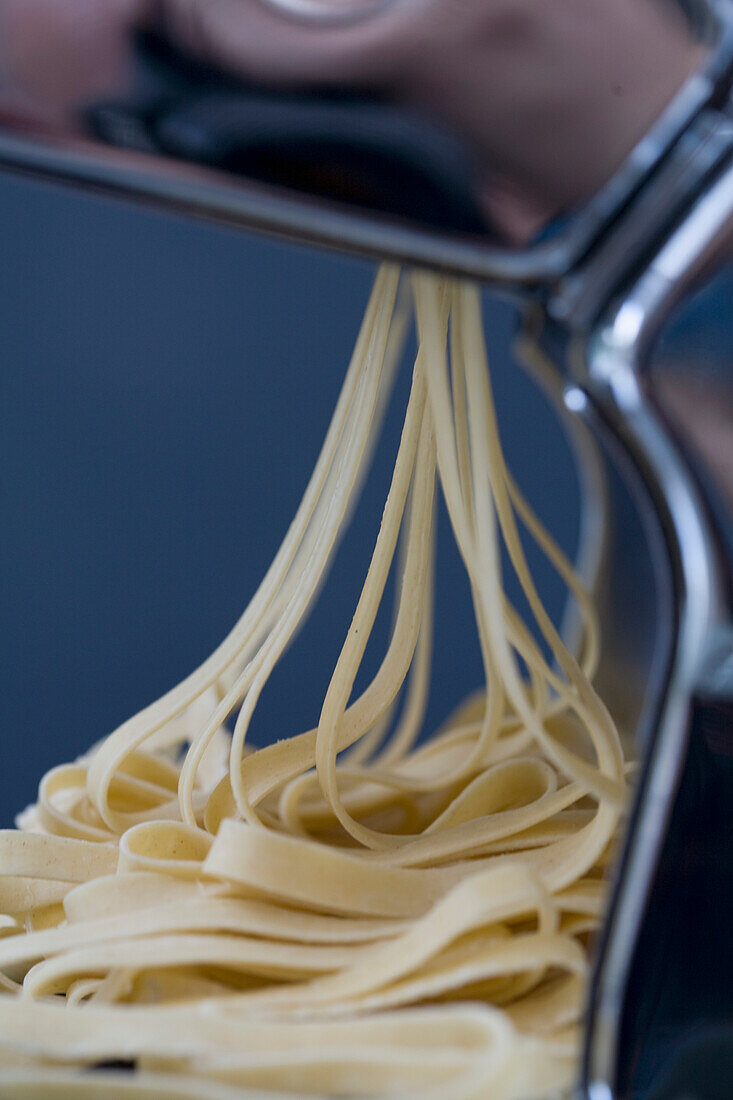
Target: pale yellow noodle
(346, 912)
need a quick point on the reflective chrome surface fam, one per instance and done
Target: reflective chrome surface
(165, 129)
(699, 575)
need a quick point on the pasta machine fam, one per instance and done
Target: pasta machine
(367, 176)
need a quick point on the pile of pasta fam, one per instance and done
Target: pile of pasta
(353, 911)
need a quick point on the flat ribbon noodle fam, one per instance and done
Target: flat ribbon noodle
(347, 912)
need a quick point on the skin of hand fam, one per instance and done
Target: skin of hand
(552, 93)
(57, 54)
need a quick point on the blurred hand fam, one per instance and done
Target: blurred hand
(554, 93)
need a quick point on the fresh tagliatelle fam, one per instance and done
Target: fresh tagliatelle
(352, 911)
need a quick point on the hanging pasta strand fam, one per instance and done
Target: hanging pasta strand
(355, 910)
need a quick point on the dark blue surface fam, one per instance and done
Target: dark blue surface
(165, 387)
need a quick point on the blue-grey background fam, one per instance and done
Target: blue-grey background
(165, 386)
